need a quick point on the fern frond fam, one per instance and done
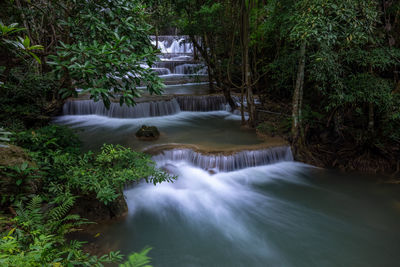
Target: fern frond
(138, 259)
(61, 211)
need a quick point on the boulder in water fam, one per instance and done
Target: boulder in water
(148, 133)
(211, 171)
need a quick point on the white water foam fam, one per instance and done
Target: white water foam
(223, 201)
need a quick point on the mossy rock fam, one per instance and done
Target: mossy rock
(148, 133)
(13, 155)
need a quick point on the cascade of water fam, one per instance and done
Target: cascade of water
(173, 44)
(170, 65)
(238, 102)
(146, 109)
(226, 163)
(140, 110)
(162, 71)
(188, 68)
(177, 56)
(202, 103)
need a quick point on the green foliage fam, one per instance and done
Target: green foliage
(37, 238)
(50, 138)
(280, 126)
(160, 14)
(6, 31)
(105, 174)
(16, 83)
(366, 88)
(139, 259)
(281, 73)
(20, 179)
(110, 42)
(26, 98)
(21, 46)
(331, 22)
(56, 149)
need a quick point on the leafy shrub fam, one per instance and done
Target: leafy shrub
(48, 139)
(17, 181)
(56, 150)
(106, 173)
(26, 98)
(36, 237)
(138, 259)
(108, 55)
(275, 127)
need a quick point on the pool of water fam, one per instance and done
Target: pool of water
(218, 129)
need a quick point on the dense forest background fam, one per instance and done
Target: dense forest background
(326, 75)
(332, 67)
(333, 64)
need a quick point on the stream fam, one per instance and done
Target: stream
(249, 204)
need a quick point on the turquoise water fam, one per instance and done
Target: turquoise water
(217, 129)
(284, 214)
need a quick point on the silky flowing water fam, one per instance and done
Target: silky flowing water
(281, 214)
(285, 214)
(216, 129)
(248, 208)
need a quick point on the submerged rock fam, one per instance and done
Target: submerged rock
(211, 171)
(148, 133)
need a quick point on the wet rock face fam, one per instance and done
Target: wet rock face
(148, 133)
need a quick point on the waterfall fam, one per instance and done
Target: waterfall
(162, 71)
(170, 65)
(140, 110)
(170, 44)
(202, 103)
(147, 109)
(177, 55)
(226, 163)
(189, 69)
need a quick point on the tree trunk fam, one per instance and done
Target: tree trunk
(210, 79)
(24, 20)
(298, 96)
(212, 69)
(212, 72)
(371, 121)
(195, 56)
(245, 34)
(156, 37)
